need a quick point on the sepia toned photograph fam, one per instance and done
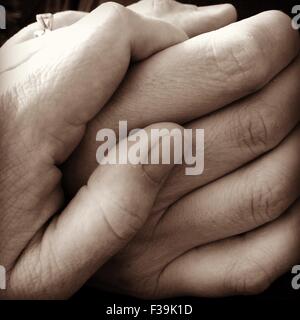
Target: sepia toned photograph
(150, 154)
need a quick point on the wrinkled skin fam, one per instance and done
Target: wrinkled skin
(251, 176)
(46, 244)
(202, 238)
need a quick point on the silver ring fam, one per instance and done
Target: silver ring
(45, 23)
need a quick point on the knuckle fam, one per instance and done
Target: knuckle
(260, 204)
(113, 7)
(115, 12)
(254, 131)
(270, 120)
(115, 18)
(266, 203)
(169, 140)
(248, 278)
(161, 9)
(161, 6)
(124, 231)
(249, 48)
(120, 217)
(242, 60)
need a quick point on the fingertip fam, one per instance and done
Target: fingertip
(231, 11)
(227, 12)
(165, 144)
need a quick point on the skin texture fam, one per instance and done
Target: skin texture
(232, 197)
(48, 246)
(158, 262)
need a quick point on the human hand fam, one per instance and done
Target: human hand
(203, 275)
(48, 94)
(165, 259)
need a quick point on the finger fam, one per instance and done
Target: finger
(211, 70)
(209, 18)
(146, 36)
(241, 132)
(244, 200)
(99, 221)
(60, 20)
(190, 18)
(112, 36)
(245, 264)
(201, 85)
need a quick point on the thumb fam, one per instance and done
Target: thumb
(103, 216)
